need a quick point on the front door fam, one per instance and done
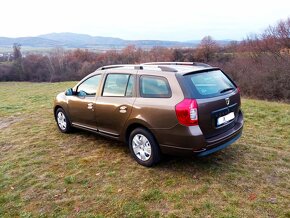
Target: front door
(114, 105)
(82, 104)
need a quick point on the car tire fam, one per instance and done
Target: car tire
(144, 147)
(62, 121)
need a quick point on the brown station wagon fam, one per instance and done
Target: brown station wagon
(156, 108)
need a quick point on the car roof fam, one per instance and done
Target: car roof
(175, 67)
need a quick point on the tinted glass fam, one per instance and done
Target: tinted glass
(115, 85)
(209, 84)
(89, 86)
(154, 87)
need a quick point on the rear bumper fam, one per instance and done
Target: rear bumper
(188, 141)
(219, 147)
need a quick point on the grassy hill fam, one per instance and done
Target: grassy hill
(75, 40)
(46, 173)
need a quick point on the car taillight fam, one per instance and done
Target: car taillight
(186, 112)
(239, 91)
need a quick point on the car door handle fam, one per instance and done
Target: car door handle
(90, 106)
(123, 109)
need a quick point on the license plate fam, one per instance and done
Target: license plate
(225, 119)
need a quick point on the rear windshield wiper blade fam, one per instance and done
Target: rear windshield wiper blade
(227, 89)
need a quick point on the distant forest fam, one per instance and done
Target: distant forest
(260, 64)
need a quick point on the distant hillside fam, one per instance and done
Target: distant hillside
(74, 40)
(221, 42)
(82, 40)
(29, 41)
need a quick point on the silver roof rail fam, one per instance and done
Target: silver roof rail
(134, 66)
(115, 66)
(169, 69)
(163, 66)
(178, 63)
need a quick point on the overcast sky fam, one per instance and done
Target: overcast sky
(144, 19)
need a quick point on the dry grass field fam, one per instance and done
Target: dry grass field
(44, 173)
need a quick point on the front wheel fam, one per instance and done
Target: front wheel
(144, 147)
(62, 121)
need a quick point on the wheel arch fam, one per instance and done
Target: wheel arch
(133, 126)
(56, 107)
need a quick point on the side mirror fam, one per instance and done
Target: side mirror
(69, 92)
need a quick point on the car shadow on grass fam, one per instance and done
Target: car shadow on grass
(219, 162)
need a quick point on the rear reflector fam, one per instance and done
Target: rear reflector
(186, 112)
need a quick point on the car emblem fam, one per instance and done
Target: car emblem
(227, 101)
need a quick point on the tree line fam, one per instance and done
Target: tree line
(260, 64)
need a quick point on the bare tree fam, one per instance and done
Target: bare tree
(17, 51)
(17, 63)
(207, 49)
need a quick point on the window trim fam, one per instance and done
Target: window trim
(105, 80)
(169, 95)
(130, 76)
(77, 87)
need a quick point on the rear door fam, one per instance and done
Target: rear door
(114, 105)
(218, 101)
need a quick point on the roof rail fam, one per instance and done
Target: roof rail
(109, 67)
(163, 66)
(136, 67)
(169, 69)
(178, 63)
(115, 66)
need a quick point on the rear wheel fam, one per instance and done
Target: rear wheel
(62, 121)
(144, 147)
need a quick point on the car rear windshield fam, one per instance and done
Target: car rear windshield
(209, 84)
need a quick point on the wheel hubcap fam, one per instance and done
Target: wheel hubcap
(141, 147)
(61, 121)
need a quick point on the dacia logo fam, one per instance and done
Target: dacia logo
(227, 101)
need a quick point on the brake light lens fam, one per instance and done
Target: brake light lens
(239, 91)
(186, 112)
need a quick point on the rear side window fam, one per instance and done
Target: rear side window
(154, 87)
(209, 84)
(118, 85)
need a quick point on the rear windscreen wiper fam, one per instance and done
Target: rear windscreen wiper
(227, 89)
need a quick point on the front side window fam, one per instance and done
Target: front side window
(89, 86)
(154, 87)
(118, 85)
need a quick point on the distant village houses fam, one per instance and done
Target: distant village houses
(6, 56)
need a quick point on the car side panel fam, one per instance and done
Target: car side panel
(61, 101)
(80, 111)
(156, 113)
(112, 112)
